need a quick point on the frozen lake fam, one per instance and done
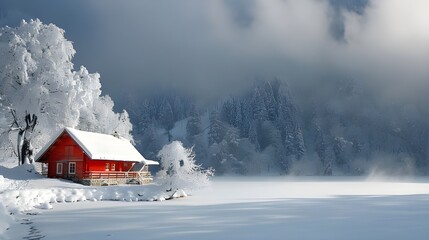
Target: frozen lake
(254, 208)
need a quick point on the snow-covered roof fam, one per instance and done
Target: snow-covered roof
(100, 146)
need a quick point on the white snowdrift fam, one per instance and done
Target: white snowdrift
(23, 190)
(23, 200)
(23, 172)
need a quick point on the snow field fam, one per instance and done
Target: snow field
(256, 208)
(230, 208)
(5, 220)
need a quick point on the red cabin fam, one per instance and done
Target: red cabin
(94, 159)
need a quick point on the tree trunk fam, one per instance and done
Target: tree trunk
(23, 143)
(26, 152)
(19, 145)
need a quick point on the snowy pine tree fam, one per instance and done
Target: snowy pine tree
(166, 117)
(193, 126)
(216, 131)
(270, 102)
(321, 148)
(299, 143)
(259, 109)
(253, 135)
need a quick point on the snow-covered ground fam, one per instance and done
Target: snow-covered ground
(233, 208)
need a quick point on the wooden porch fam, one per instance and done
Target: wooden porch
(137, 175)
(101, 178)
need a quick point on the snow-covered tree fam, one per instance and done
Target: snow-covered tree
(216, 131)
(193, 126)
(339, 145)
(179, 171)
(166, 117)
(228, 149)
(246, 117)
(270, 102)
(150, 142)
(259, 109)
(321, 148)
(289, 126)
(37, 76)
(228, 113)
(238, 123)
(299, 143)
(253, 135)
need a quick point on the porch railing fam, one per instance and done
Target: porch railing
(115, 175)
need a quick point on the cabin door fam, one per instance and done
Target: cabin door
(66, 169)
(59, 169)
(72, 154)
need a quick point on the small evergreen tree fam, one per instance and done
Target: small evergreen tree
(216, 131)
(253, 135)
(259, 109)
(193, 126)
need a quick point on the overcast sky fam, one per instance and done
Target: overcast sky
(215, 47)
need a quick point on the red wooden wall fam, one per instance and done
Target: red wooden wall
(100, 165)
(65, 150)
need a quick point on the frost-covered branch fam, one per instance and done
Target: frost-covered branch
(37, 75)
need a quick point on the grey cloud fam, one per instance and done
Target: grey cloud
(337, 26)
(241, 11)
(212, 48)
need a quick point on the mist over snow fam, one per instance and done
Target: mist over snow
(352, 97)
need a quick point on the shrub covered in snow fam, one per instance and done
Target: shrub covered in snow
(179, 171)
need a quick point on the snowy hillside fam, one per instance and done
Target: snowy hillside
(268, 129)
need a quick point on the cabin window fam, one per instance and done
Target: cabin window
(72, 168)
(59, 168)
(113, 167)
(107, 166)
